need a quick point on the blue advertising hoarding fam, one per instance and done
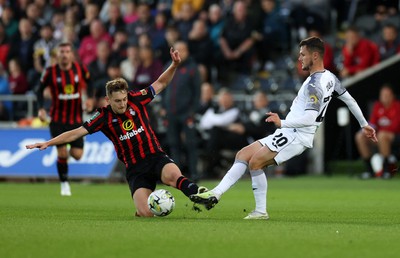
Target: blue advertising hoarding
(98, 159)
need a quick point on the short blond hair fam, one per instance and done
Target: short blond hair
(115, 85)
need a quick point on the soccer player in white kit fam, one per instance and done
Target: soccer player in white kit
(294, 134)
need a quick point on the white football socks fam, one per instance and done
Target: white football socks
(260, 185)
(237, 170)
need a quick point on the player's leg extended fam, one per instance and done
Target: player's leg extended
(172, 176)
(237, 170)
(140, 200)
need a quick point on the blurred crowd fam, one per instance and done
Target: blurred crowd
(228, 47)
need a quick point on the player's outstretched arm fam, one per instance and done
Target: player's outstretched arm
(66, 137)
(168, 74)
(351, 103)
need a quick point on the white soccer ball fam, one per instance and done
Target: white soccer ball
(161, 202)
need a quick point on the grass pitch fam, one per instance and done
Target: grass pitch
(310, 217)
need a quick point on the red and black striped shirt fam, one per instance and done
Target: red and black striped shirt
(131, 133)
(66, 92)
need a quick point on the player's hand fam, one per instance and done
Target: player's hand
(39, 145)
(274, 118)
(176, 59)
(42, 114)
(370, 133)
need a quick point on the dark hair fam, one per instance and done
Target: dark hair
(115, 85)
(65, 44)
(314, 44)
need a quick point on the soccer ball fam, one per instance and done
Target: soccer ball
(161, 202)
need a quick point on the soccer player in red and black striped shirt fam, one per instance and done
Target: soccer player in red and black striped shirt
(67, 81)
(125, 122)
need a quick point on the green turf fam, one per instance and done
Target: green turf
(310, 217)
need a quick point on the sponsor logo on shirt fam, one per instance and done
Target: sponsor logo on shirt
(131, 134)
(94, 116)
(69, 96)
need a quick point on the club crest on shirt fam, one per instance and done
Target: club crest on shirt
(313, 99)
(144, 92)
(132, 112)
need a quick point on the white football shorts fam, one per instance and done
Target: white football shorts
(286, 142)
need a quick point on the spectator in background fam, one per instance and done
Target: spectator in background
(58, 24)
(91, 14)
(215, 26)
(10, 23)
(21, 46)
(195, 5)
(206, 98)
(115, 22)
(180, 101)
(164, 6)
(43, 48)
(149, 68)
(144, 24)
(105, 5)
(130, 65)
(386, 121)
(18, 85)
(130, 14)
(113, 72)
(120, 45)
(200, 47)
(87, 50)
(273, 33)
(98, 67)
(236, 42)
(216, 122)
(358, 53)
(5, 106)
(253, 125)
(33, 14)
(69, 35)
(171, 36)
(17, 78)
(46, 11)
(4, 45)
(185, 21)
(20, 9)
(389, 42)
(144, 40)
(157, 35)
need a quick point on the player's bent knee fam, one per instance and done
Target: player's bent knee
(76, 154)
